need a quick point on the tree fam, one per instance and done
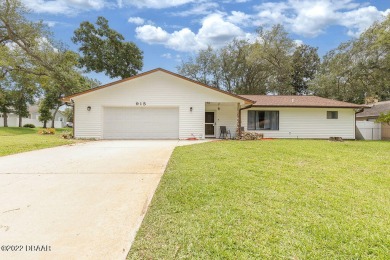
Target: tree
(27, 42)
(243, 67)
(274, 49)
(4, 94)
(104, 50)
(384, 118)
(23, 89)
(358, 68)
(5, 104)
(27, 49)
(305, 64)
(68, 112)
(69, 81)
(205, 68)
(241, 73)
(44, 113)
(383, 38)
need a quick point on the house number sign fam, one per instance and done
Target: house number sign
(140, 103)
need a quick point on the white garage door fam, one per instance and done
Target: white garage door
(140, 123)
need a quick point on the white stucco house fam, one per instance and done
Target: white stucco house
(160, 104)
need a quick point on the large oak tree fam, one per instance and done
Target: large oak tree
(105, 50)
(28, 51)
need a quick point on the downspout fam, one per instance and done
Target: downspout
(74, 115)
(239, 118)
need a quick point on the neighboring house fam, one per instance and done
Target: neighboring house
(365, 122)
(160, 104)
(33, 118)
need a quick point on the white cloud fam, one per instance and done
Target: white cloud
(136, 20)
(45, 44)
(68, 7)
(156, 4)
(50, 23)
(167, 55)
(152, 34)
(358, 20)
(298, 42)
(240, 18)
(311, 17)
(214, 31)
(182, 40)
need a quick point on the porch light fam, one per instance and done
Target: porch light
(190, 109)
(89, 108)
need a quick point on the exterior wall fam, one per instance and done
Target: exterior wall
(226, 115)
(308, 123)
(13, 121)
(157, 89)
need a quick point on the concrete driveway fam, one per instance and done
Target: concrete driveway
(83, 201)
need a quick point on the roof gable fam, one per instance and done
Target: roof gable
(68, 98)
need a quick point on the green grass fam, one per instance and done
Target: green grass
(16, 140)
(276, 199)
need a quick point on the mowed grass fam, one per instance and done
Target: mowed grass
(271, 199)
(16, 140)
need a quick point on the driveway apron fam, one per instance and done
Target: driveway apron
(83, 201)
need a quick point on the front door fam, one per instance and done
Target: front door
(209, 124)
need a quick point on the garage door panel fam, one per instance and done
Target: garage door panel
(141, 123)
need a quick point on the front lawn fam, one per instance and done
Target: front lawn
(17, 140)
(271, 199)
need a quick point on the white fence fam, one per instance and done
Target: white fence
(367, 130)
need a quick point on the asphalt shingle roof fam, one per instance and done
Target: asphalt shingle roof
(298, 101)
(375, 109)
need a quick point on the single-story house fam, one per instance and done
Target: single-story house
(365, 122)
(160, 104)
(33, 118)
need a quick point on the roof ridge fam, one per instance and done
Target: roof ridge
(299, 101)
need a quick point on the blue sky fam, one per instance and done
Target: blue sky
(168, 31)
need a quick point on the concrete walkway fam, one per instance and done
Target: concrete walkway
(83, 201)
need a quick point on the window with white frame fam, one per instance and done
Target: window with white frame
(263, 120)
(332, 114)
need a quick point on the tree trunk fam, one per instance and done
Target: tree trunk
(20, 121)
(54, 116)
(238, 127)
(5, 116)
(44, 123)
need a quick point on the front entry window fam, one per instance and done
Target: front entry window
(263, 120)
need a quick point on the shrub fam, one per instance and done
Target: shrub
(67, 135)
(251, 136)
(29, 125)
(47, 131)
